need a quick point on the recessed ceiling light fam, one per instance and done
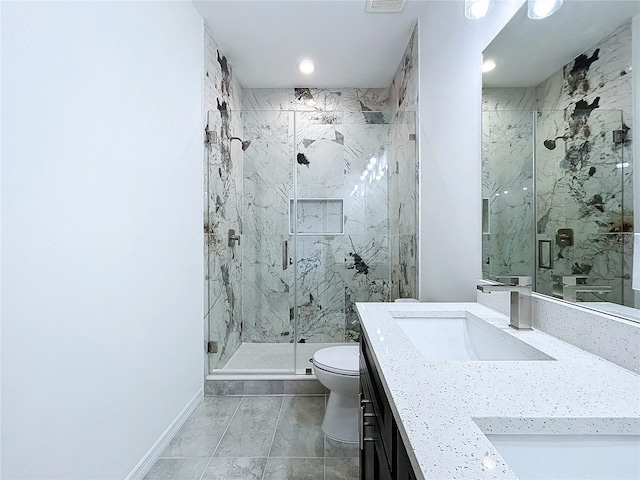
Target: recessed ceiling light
(306, 66)
(539, 9)
(488, 65)
(475, 9)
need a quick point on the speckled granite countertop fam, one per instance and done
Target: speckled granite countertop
(443, 408)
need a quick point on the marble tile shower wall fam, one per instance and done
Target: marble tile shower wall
(250, 296)
(337, 132)
(583, 186)
(223, 180)
(403, 175)
(507, 166)
(267, 183)
(580, 184)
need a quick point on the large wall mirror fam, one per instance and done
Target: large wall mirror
(557, 166)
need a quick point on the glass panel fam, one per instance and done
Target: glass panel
(224, 266)
(507, 191)
(341, 167)
(306, 254)
(583, 203)
(268, 276)
(403, 204)
(581, 185)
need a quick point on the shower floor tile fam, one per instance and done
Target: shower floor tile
(273, 357)
(257, 438)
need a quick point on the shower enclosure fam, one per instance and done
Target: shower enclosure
(323, 211)
(557, 202)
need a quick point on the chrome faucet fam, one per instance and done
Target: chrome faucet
(520, 313)
(568, 286)
(569, 292)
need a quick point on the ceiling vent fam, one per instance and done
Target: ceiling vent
(385, 6)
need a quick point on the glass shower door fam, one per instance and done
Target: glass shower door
(268, 328)
(308, 194)
(341, 220)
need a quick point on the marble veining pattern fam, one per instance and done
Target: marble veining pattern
(347, 144)
(322, 104)
(583, 176)
(507, 185)
(337, 134)
(441, 411)
(403, 175)
(267, 183)
(582, 185)
(223, 177)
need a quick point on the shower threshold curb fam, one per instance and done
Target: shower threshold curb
(241, 376)
(263, 385)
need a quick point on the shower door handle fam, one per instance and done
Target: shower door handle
(285, 254)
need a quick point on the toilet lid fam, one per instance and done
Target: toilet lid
(344, 359)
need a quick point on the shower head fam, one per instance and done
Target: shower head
(245, 143)
(551, 144)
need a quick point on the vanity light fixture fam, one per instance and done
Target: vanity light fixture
(539, 9)
(488, 65)
(475, 9)
(306, 66)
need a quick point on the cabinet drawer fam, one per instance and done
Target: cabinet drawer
(380, 404)
(383, 455)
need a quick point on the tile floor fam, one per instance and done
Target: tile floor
(274, 437)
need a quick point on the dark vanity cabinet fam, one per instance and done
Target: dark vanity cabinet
(383, 455)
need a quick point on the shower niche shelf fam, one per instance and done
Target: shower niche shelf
(317, 216)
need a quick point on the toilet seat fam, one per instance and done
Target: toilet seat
(343, 360)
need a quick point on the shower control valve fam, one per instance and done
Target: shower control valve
(233, 237)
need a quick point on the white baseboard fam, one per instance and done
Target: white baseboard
(152, 455)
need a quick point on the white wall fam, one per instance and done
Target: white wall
(450, 140)
(102, 262)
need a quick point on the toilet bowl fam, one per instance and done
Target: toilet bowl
(338, 369)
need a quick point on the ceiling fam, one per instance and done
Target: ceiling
(528, 51)
(265, 40)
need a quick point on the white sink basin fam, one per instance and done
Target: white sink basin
(464, 338)
(571, 457)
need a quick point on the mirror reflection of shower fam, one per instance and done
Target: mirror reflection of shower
(551, 144)
(245, 143)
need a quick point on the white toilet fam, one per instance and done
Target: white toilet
(338, 369)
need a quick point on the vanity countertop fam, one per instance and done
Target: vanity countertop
(443, 408)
